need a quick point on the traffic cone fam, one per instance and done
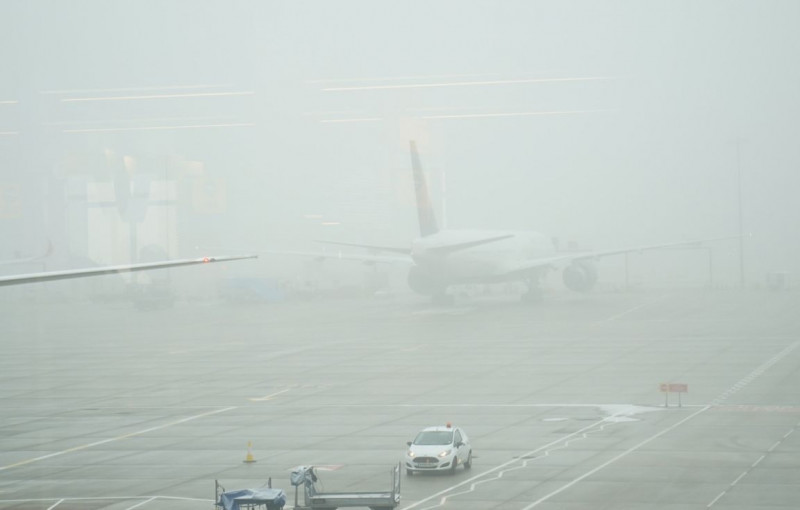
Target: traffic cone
(249, 457)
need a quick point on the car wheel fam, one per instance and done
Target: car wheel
(468, 462)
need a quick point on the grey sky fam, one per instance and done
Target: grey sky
(649, 154)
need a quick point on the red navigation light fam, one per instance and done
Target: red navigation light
(206, 259)
(449, 425)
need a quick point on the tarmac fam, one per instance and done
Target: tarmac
(104, 406)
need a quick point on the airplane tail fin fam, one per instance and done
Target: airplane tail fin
(427, 220)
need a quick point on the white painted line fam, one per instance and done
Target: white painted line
(157, 96)
(501, 466)
(135, 89)
(626, 312)
(340, 121)
(103, 498)
(658, 407)
(329, 467)
(93, 498)
(510, 114)
(55, 504)
(464, 83)
(268, 397)
(754, 374)
(739, 478)
(179, 498)
(112, 439)
(526, 458)
(461, 310)
(715, 499)
(614, 459)
(157, 128)
(142, 503)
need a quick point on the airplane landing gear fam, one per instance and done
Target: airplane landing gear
(534, 293)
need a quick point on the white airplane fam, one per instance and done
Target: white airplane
(441, 258)
(47, 276)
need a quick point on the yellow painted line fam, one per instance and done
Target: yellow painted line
(268, 397)
(112, 439)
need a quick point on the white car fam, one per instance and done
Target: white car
(439, 449)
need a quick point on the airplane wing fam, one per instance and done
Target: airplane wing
(46, 253)
(338, 255)
(594, 255)
(47, 276)
(390, 249)
(441, 250)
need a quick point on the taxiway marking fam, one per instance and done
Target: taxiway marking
(51, 507)
(105, 498)
(614, 459)
(755, 374)
(736, 387)
(503, 465)
(268, 397)
(112, 439)
(752, 466)
(623, 314)
(733, 389)
(137, 505)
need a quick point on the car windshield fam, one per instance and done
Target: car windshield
(430, 437)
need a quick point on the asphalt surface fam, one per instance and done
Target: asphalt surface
(104, 406)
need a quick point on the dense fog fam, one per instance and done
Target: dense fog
(253, 126)
(513, 186)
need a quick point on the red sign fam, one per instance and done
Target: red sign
(674, 388)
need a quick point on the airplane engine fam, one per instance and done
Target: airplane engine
(423, 283)
(580, 276)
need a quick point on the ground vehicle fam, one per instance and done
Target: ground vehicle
(264, 498)
(438, 449)
(313, 499)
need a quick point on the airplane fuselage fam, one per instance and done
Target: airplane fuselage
(437, 266)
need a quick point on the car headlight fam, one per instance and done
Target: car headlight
(410, 453)
(446, 452)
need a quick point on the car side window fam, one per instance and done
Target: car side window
(457, 438)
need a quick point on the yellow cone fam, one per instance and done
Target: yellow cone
(249, 457)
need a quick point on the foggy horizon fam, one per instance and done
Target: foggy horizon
(605, 124)
(559, 142)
